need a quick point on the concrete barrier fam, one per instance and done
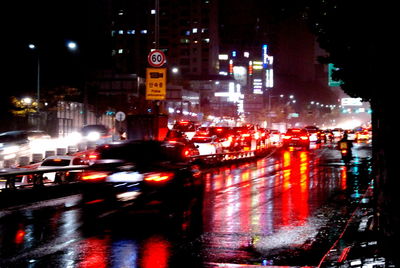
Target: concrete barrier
(61, 151)
(9, 163)
(72, 149)
(49, 153)
(37, 157)
(24, 160)
(81, 147)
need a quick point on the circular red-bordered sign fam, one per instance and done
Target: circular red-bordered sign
(156, 58)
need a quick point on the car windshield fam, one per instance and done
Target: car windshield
(296, 132)
(185, 126)
(221, 131)
(55, 162)
(94, 128)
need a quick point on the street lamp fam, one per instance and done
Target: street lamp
(27, 101)
(33, 47)
(72, 46)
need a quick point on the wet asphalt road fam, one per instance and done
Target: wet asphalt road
(261, 212)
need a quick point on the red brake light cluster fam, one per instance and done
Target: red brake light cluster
(93, 156)
(94, 176)
(158, 177)
(186, 153)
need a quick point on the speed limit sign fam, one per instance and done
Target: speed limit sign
(156, 58)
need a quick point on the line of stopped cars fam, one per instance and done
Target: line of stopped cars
(165, 173)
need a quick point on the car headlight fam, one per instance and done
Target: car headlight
(93, 136)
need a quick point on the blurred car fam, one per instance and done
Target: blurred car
(96, 134)
(226, 137)
(18, 143)
(326, 135)
(146, 172)
(187, 127)
(248, 137)
(179, 139)
(207, 141)
(351, 135)
(337, 133)
(314, 133)
(296, 138)
(62, 161)
(275, 137)
(363, 135)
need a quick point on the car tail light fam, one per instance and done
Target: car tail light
(304, 138)
(246, 135)
(158, 177)
(286, 137)
(202, 133)
(186, 153)
(93, 156)
(94, 176)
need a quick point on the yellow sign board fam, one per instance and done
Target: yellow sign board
(156, 83)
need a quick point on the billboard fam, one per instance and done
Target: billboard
(351, 102)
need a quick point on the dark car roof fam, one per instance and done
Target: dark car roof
(141, 151)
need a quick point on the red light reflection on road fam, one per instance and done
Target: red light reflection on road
(20, 235)
(343, 182)
(94, 252)
(275, 197)
(295, 181)
(155, 253)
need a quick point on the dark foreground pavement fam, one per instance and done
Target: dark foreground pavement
(360, 244)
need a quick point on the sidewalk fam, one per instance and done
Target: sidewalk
(359, 245)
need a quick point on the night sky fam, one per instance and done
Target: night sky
(50, 24)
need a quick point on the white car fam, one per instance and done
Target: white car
(206, 142)
(62, 161)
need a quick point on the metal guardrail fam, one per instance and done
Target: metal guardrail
(10, 176)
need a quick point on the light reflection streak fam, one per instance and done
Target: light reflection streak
(124, 253)
(94, 251)
(155, 252)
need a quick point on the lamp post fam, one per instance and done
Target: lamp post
(33, 47)
(72, 46)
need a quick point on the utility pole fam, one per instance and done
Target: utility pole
(157, 24)
(38, 93)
